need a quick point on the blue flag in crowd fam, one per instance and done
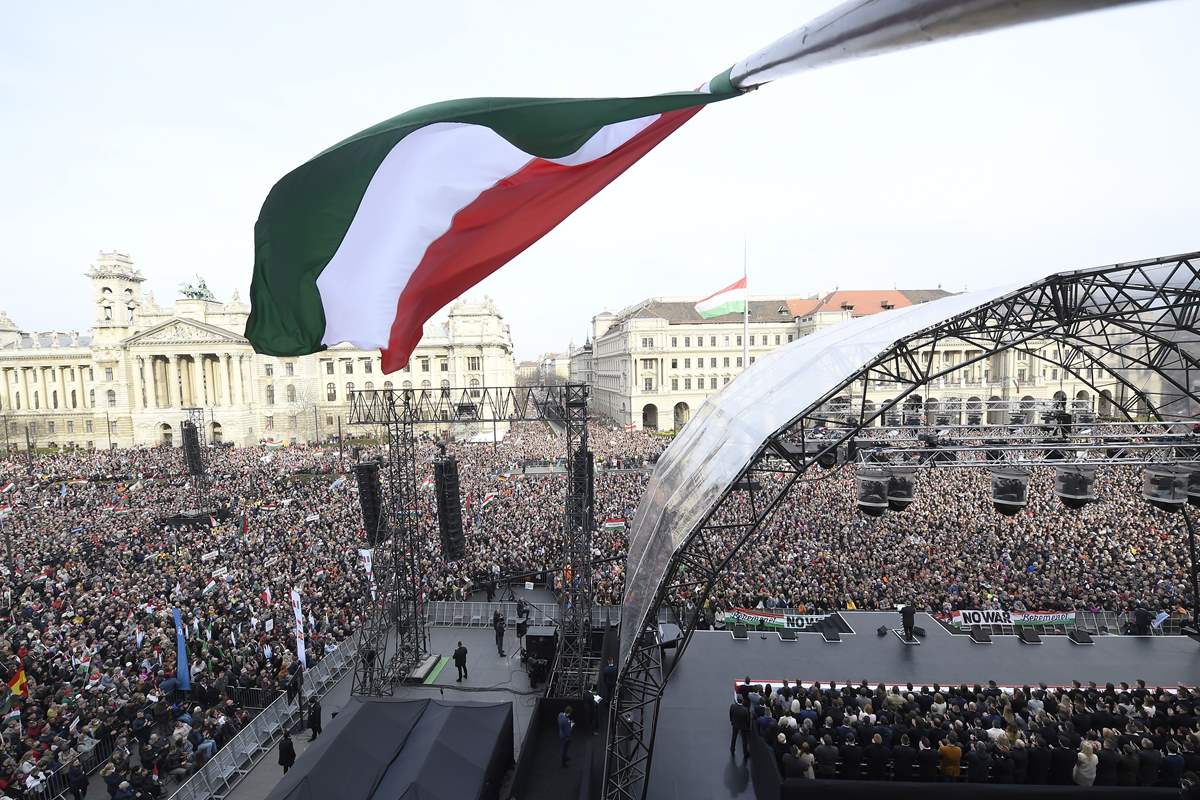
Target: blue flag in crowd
(182, 672)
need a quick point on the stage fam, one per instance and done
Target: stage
(691, 748)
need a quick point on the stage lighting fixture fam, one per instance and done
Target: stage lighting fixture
(1193, 488)
(828, 459)
(1165, 486)
(873, 490)
(1075, 485)
(901, 487)
(1010, 489)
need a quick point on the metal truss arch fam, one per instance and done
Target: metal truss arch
(709, 496)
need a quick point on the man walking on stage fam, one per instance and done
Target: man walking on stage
(460, 661)
(564, 733)
(499, 624)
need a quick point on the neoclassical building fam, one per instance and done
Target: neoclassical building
(129, 382)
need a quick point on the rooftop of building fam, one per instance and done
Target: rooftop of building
(48, 339)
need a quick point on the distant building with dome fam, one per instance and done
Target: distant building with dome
(128, 381)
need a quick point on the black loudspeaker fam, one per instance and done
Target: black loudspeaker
(191, 449)
(540, 642)
(881, 630)
(583, 472)
(918, 631)
(788, 635)
(1079, 637)
(370, 498)
(356, 452)
(449, 508)
(980, 636)
(740, 632)
(1029, 636)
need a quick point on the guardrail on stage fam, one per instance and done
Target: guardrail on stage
(241, 753)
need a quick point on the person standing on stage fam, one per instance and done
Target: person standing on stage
(460, 661)
(908, 616)
(314, 718)
(564, 733)
(499, 625)
(287, 752)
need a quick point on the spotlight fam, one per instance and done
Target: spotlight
(1165, 487)
(1010, 489)
(901, 487)
(873, 490)
(1075, 485)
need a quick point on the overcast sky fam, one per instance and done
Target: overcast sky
(158, 130)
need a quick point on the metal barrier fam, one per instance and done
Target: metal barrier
(241, 753)
(456, 614)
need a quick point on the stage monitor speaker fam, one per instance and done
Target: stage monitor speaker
(740, 632)
(881, 630)
(449, 508)
(788, 635)
(830, 634)
(1029, 636)
(192, 456)
(980, 636)
(918, 631)
(370, 499)
(540, 642)
(1079, 637)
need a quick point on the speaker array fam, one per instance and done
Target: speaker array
(370, 499)
(449, 508)
(192, 456)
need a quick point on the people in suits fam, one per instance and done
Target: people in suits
(927, 761)
(460, 662)
(826, 757)
(903, 758)
(287, 752)
(498, 624)
(908, 616)
(314, 718)
(565, 724)
(852, 756)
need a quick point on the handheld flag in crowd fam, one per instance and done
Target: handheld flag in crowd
(182, 670)
(18, 684)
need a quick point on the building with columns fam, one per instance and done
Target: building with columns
(129, 381)
(654, 363)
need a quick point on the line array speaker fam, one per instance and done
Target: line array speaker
(980, 636)
(740, 632)
(191, 449)
(1079, 637)
(370, 500)
(1029, 636)
(449, 508)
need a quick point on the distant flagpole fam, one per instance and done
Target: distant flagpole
(746, 305)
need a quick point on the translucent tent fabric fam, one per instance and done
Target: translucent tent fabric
(728, 430)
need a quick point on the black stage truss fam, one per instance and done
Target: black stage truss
(395, 608)
(1127, 331)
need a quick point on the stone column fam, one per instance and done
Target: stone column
(157, 367)
(174, 384)
(45, 392)
(64, 398)
(26, 397)
(227, 377)
(135, 385)
(8, 392)
(241, 380)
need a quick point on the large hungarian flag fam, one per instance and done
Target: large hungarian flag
(726, 301)
(369, 239)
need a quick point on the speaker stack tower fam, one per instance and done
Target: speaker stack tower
(449, 508)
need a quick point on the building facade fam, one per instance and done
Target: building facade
(128, 382)
(654, 363)
(579, 366)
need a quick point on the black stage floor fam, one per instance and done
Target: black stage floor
(691, 749)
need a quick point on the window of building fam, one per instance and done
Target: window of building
(387, 385)
(108, 373)
(369, 385)
(674, 384)
(712, 362)
(108, 312)
(289, 369)
(407, 385)
(473, 363)
(425, 364)
(291, 422)
(33, 429)
(687, 363)
(50, 426)
(727, 341)
(270, 424)
(112, 398)
(712, 341)
(269, 370)
(328, 367)
(687, 341)
(647, 363)
(36, 400)
(328, 419)
(687, 383)
(712, 383)
(367, 366)
(474, 387)
(777, 338)
(91, 398)
(270, 394)
(752, 359)
(647, 342)
(725, 381)
(87, 426)
(291, 393)
(74, 399)
(739, 341)
(349, 389)
(444, 364)
(112, 427)
(1020, 376)
(790, 335)
(648, 385)
(54, 399)
(348, 363)
(739, 361)
(330, 392)
(752, 340)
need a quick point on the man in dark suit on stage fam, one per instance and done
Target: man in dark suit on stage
(460, 661)
(739, 721)
(908, 616)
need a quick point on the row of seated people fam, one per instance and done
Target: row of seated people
(1116, 735)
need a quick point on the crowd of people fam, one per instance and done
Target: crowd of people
(97, 558)
(1115, 735)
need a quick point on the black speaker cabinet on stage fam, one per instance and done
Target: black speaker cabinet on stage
(740, 632)
(370, 498)
(449, 507)
(1079, 637)
(1029, 636)
(191, 449)
(980, 636)
(540, 642)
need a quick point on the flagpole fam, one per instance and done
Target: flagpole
(869, 27)
(745, 306)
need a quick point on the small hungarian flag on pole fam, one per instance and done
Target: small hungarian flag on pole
(17, 684)
(730, 300)
(367, 240)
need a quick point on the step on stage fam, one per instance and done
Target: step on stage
(691, 747)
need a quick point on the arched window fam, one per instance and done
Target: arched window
(112, 397)
(37, 401)
(291, 393)
(407, 385)
(445, 388)
(74, 399)
(387, 385)
(474, 387)
(330, 392)
(54, 399)
(108, 312)
(270, 394)
(424, 384)
(369, 385)
(17, 401)
(349, 388)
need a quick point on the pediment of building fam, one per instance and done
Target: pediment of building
(183, 331)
